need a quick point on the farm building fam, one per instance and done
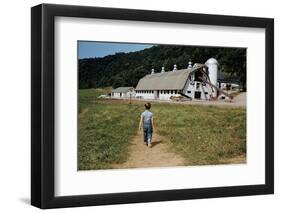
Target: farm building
(226, 82)
(123, 92)
(196, 82)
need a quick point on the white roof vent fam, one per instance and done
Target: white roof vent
(152, 71)
(175, 68)
(189, 64)
(163, 69)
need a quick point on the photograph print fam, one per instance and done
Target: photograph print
(160, 105)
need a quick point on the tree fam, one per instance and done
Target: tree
(125, 69)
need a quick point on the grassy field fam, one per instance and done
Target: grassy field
(201, 134)
(87, 96)
(105, 130)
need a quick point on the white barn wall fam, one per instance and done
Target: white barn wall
(166, 96)
(116, 94)
(151, 96)
(123, 94)
(201, 89)
(127, 94)
(145, 95)
(130, 94)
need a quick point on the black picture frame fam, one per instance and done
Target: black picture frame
(43, 102)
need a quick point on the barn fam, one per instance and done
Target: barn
(198, 81)
(123, 92)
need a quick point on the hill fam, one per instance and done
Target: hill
(125, 69)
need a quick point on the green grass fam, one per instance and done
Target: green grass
(105, 131)
(87, 96)
(201, 134)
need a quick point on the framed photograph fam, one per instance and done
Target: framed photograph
(141, 106)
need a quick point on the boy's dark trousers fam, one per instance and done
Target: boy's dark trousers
(147, 132)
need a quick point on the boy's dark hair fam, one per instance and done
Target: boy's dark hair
(147, 106)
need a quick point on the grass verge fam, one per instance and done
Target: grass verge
(203, 135)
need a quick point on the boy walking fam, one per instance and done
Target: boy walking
(146, 122)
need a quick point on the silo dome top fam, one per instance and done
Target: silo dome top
(211, 61)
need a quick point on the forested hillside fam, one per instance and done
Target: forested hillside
(125, 69)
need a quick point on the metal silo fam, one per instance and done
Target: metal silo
(212, 65)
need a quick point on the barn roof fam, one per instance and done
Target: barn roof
(168, 80)
(122, 89)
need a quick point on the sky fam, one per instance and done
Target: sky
(91, 49)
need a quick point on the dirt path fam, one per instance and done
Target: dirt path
(159, 155)
(240, 99)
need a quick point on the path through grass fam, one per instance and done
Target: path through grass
(202, 135)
